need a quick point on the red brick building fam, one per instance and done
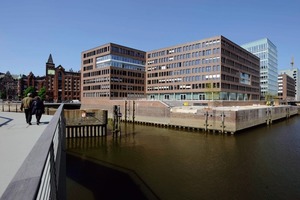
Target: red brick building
(286, 87)
(61, 85)
(25, 82)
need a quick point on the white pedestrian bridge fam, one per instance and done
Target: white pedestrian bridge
(32, 156)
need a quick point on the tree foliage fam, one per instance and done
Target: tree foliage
(2, 95)
(29, 90)
(42, 93)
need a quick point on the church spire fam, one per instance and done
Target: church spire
(50, 60)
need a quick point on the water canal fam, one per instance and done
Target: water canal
(259, 163)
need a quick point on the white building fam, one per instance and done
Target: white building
(294, 73)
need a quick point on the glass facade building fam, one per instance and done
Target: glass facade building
(267, 52)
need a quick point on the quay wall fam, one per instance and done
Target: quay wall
(254, 117)
(143, 111)
(209, 118)
(91, 116)
(231, 119)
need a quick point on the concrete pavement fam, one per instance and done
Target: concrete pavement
(16, 141)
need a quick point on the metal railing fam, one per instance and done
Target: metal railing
(10, 106)
(43, 173)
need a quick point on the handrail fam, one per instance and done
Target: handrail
(42, 175)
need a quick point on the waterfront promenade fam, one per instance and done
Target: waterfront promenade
(17, 138)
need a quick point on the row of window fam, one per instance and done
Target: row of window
(90, 67)
(185, 79)
(258, 48)
(184, 56)
(232, 66)
(96, 80)
(128, 52)
(97, 87)
(113, 79)
(114, 87)
(128, 95)
(241, 52)
(70, 93)
(184, 64)
(119, 58)
(114, 94)
(120, 65)
(72, 89)
(97, 73)
(127, 73)
(140, 76)
(184, 48)
(87, 61)
(98, 51)
(185, 86)
(204, 96)
(204, 69)
(127, 87)
(95, 94)
(127, 80)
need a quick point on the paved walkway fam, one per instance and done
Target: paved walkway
(16, 140)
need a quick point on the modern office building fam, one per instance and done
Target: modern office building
(61, 85)
(286, 87)
(112, 72)
(295, 74)
(267, 52)
(209, 69)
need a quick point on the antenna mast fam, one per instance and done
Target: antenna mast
(292, 62)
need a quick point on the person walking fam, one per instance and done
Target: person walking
(27, 105)
(37, 109)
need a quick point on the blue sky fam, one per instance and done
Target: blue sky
(31, 30)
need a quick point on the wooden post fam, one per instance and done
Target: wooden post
(223, 121)
(116, 122)
(125, 111)
(206, 119)
(133, 111)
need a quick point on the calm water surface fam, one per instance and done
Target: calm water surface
(259, 163)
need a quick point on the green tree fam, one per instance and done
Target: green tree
(30, 89)
(2, 95)
(42, 93)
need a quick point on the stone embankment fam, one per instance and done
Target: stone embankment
(224, 119)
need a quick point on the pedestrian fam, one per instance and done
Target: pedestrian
(37, 109)
(27, 105)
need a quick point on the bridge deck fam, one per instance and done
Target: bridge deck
(16, 140)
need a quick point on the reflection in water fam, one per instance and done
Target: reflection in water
(259, 163)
